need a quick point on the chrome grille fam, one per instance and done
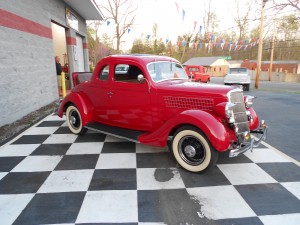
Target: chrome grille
(239, 111)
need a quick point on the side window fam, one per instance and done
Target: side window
(103, 75)
(126, 73)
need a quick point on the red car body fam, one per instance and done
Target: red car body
(197, 73)
(154, 109)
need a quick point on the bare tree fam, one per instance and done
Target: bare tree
(242, 18)
(287, 3)
(210, 21)
(122, 12)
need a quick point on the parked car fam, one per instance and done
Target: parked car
(197, 73)
(238, 76)
(155, 104)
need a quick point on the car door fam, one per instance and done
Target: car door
(129, 100)
(99, 94)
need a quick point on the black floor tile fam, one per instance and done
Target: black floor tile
(63, 130)
(8, 163)
(269, 199)
(118, 147)
(210, 177)
(54, 123)
(177, 205)
(116, 179)
(51, 209)
(20, 183)
(51, 149)
(282, 172)
(239, 221)
(78, 162)
(155, 160)
(31, 139)
(225, 159)
(91, 137)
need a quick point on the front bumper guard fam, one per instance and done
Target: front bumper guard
(252, 143)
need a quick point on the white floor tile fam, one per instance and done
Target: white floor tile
(109, 207)
(265, 155)
(286, 219)
(221, 202)
(293, 187)
(37, 163)
(147, 179)
(60, 139)
(246, 173)
(85, 148)
(66, 181)
(12, 205)
(116, 160)
(3, 174)
(41, 130)
(18, 150)
(149, 149)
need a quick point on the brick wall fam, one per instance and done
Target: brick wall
(27, 67)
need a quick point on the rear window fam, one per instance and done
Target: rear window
(193, 69)
(238, 70)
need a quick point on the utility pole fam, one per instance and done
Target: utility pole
(261, 30)
(272, 53)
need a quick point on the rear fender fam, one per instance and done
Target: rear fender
(218, 134)
(81, 103)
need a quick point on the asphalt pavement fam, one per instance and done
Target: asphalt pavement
(278, 103)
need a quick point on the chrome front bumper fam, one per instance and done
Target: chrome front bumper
(252, 143)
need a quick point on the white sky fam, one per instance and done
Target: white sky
(170, 22)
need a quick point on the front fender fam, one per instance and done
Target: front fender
(215, 131)
(82, 104)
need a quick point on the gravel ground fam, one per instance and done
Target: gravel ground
(9, 131)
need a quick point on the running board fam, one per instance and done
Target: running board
(131, 135)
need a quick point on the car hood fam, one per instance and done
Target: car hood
(188, 88)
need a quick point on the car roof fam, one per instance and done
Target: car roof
(145, 58)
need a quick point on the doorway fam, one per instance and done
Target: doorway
(60, 50)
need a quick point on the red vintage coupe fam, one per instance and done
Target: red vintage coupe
(150, 100)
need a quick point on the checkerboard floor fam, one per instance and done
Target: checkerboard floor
(50, 176)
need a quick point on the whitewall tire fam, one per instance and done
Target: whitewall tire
(74, 120)
(192, 150)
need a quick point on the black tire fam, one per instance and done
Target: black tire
(74, 121)
(192, 150)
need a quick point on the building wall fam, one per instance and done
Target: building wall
(276, 67)
(28, 77)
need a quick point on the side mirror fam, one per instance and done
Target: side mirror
(140, 78)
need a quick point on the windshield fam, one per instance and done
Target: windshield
(238, 70)
(160, 71)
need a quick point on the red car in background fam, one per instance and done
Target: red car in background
(197, 73)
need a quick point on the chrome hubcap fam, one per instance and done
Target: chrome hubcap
(73, 120)
(190, 151)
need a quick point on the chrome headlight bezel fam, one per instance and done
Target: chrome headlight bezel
(229, 111)
(249, 100)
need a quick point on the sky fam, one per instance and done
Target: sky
(170, 20)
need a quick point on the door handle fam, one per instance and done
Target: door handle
(110, 93)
